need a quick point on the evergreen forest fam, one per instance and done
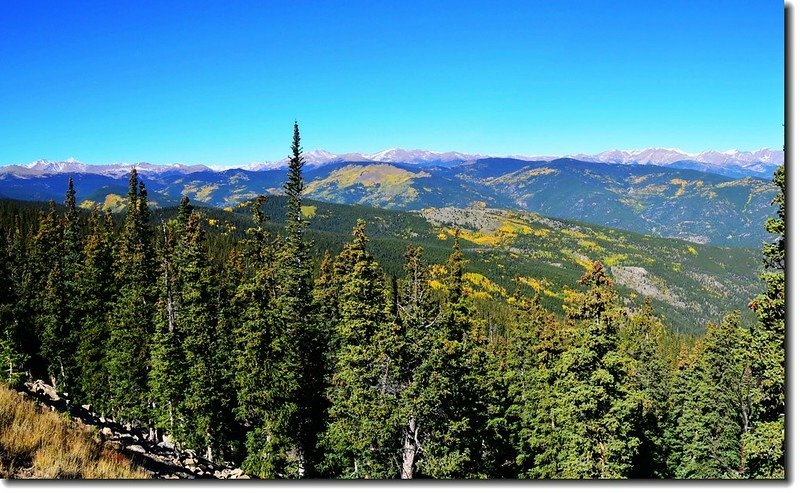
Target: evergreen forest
(298, 361)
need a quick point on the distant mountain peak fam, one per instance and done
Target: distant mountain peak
(732, 162)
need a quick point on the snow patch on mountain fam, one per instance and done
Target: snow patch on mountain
(732, 162)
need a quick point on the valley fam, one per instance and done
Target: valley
(662, 201)
(542, 255)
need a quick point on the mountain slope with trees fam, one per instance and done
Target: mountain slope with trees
(340, 368)
(677, 203)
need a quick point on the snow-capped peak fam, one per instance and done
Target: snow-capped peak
(665, 156)
(733, 161)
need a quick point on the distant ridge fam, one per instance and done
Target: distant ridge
(733, 163)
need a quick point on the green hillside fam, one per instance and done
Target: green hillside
(690, 284)
(674, 203)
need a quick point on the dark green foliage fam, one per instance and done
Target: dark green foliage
(248, 341)
(70, 263)
(55, 333)
(305, 350)
(131, 325)
(268, 366)
(12, 355)
(644, 339)
(708, 424)
(593, 401)
(451, 387)
(419, 316)
(47, 293)
(167, 378)
(96, 289)
(535, 342)
(361, 439)
(206, 401)
(20, 335)
(764, 440)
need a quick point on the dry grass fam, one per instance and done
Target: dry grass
(37, 443)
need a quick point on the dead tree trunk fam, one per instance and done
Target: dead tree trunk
(410, 449)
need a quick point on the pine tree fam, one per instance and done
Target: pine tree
(231, 433)
(167, 377)
(295, 220)
(594, 400)
(452, 377)
(70, 262)
(204, 401)
(533, 346)
(280, 345)
(326, 310)
(55, 332)
(706, 441)
(682, 387)
(265, 397)
(46, 246)
(303, 357)
(362, 436)
(132, 312)
(95, 287)
(45, 292)
(764, 439)
(419, 315)
(644, 341)
(12, 355)
(22, 315)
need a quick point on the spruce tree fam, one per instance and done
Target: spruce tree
(55, 332)
(594, 397)
(21, 312)
(533, 346)
(265, 385)
(362, 435)
(231, 442)
(12, 355)
(96, 288)
(418, 315)
(708, 427)
(132, 313)
(644, 341)
(45, 293)
(682, 387)
(70, 261)
(167, 377)
(326, 310)
(280, 344)
(452, 378)
(204, 400)
(764, 441)
(304, 354)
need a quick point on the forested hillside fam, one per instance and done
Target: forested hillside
(698, 285)
(306, 361)
(672, 203)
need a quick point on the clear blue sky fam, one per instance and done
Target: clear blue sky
(222, 82)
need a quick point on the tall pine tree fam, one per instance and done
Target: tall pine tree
(594, 402)
(304, 353)
(131, 324)
(451, 382)
(96, 288)
(206, 406)
(362, 435)
(764, 441)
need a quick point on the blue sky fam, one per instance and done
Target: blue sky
(222, 82)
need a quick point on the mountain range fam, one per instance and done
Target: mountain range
(656, 200)
(732, 163)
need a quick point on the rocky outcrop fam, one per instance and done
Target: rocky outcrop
(162, 459)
